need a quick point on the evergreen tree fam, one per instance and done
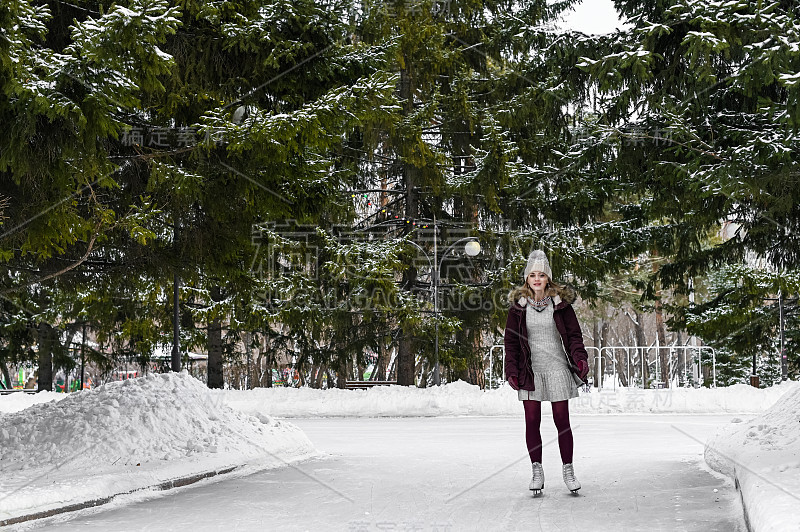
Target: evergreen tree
(64, 93)
(694, 119)
(740, 318)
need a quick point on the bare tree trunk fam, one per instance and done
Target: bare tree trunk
(321, 372)
(604, 326)
(312, 376)
(404, 361)
(214, 347)
(478, 374)
(663, 354)
(46, 337)
(621, 363)
(381, 363)
(641, 341)
(393, 370)
(248, 352)
(8, 384)
(266, 376)
(680, 368)
(258, 367)
(341, 374)
(600, 331)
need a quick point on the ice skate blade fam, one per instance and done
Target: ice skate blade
(574, 492)
(536, 493)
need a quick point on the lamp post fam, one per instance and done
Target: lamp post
(471, 248)
(175, 358)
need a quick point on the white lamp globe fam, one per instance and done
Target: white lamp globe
(472, 248)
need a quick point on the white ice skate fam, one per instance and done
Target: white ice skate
(537, 480)
(569, 478)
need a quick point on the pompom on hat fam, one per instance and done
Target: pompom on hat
(537, 262)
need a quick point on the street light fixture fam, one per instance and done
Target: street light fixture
(471, 248)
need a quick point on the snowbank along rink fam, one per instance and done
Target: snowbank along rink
(363, 452)
(763, 455)
(125, 436)
(462, 399)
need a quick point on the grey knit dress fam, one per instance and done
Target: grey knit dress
(551, 375)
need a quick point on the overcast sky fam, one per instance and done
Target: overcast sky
(593, 17)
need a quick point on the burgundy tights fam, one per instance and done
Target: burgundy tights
(533, 419)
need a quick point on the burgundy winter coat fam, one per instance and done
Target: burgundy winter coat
(518, 352)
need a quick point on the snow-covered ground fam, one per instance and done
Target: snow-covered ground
(57, 449)
(764, 455)
(462, 399)
(17, 401)
(129, 435)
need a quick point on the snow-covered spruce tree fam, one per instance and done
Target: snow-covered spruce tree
(65, 89)
(736, 319)
(293, 88)
(694, 121)
(451, 157)
(275, 88)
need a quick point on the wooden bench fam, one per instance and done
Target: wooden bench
(363, 385)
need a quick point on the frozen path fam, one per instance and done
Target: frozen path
(638, 473)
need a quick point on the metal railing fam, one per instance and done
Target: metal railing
(684, 348)
(490, 380)
(608, 351)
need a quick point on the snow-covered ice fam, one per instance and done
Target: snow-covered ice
(452, 474)
(129, 435)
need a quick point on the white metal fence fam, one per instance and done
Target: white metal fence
(691, 371)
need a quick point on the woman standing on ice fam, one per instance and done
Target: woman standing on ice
(545, 360)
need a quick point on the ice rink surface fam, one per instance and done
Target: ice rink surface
(639, 472)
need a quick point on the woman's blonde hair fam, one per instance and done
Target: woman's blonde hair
(551, 289)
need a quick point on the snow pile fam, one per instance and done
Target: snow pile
(763, 454)
(128, 435)
(454, 399)
(739, 398)
(462, 399)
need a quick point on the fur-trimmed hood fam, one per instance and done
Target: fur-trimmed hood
(567, 295)
(515, 337)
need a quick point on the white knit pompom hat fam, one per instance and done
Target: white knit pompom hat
(537, 262)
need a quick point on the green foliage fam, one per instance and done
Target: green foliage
(740, 324)
(599, 149)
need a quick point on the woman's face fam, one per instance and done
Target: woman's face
(537, 280)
